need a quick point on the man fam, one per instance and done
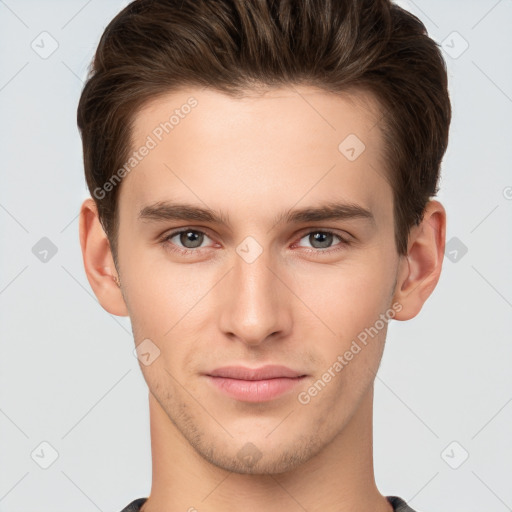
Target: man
(262, 175)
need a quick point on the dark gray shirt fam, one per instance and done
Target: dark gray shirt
(399, 505)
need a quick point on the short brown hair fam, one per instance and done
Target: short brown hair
(153, 47)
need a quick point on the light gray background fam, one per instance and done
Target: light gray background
(68, 376)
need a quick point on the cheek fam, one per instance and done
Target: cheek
(347, 298)
(160, 297)
(170, 307)
(349, 333)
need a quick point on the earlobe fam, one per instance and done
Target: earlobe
(420, 269)
(98, 261)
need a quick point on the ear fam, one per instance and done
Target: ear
(98, 261)
(420, 269)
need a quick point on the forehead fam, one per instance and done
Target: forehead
(214, 113)
(276, 147)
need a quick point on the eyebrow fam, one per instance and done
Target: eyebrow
(331, 211)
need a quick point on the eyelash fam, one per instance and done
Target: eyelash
(172, 247)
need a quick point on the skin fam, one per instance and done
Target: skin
(252, 159)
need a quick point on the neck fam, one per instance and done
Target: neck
(340, 478)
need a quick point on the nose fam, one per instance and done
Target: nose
(256, 304)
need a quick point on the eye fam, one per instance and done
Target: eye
(323, 239)
(186, 240)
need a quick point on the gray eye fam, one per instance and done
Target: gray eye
(191, 239)
(320, 239)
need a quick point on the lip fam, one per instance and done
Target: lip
(255, 384)
(270, 371)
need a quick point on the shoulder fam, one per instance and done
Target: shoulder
(135, 505)
(399, 505)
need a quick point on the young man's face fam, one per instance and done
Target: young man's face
(251, 290)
